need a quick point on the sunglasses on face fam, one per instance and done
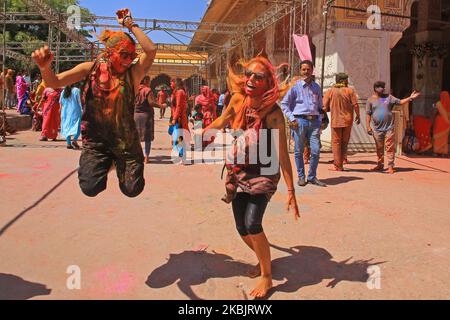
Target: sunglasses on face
(127, 55)
(258, 75)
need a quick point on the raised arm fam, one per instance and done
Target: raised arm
(228, 115)
(141, 68)
(44, 57)
(413, 96)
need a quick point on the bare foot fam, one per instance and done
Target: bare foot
(390, 170)
(254, 272)
(264, 285)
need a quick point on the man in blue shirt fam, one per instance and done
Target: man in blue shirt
(302, 105)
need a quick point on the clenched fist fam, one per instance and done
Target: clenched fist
(43, 57)
(122, 15)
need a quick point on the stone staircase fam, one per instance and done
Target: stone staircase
(18, 121)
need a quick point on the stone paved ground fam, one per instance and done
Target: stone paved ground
(144, 248)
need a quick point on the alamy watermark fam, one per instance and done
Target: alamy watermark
(374, 21)
(74, 19)
(73, 282)
(374, 280)
(236, 147)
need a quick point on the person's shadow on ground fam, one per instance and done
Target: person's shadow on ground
(304, 266)
(15, 288)
(339, 180)
(190, 268)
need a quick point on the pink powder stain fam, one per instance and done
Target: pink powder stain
(125, 282)
(4, 175)
(112, 281)
(44, 166)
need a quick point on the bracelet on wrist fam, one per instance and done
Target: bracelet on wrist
(127, 20)
(133, 25)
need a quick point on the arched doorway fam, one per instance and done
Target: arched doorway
(160, 80)
(402, 59)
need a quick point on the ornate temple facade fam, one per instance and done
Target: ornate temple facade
(408, 48)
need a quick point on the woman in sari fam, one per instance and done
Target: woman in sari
(37, 113)
(22, 94)
(71, 110)
(180, 118)
(51, 117)
(422, 130)
(442, 125)
(206, 101)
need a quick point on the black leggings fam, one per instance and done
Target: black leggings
(95, 162)
(248, 212)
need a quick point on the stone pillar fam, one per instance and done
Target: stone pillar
(365, 56)
(428, 58)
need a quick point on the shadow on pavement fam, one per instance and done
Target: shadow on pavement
(339, 180)
(191, 268)
(23, 212)
(304, 266)
(307, 265)
(16, 288)
(364, 162)
(161, 160)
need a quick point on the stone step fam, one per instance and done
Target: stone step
(18, 121)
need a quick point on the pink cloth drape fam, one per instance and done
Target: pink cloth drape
(302, 45)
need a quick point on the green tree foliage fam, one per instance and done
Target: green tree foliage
(36, 35)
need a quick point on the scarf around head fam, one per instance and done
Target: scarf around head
(445, 100)
(241, 103)
(202, 99)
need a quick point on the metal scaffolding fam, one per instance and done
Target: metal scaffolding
(240, 34)
(168, 25)
(244, 36)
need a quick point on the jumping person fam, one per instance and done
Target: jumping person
(108, 128)
(252, 108)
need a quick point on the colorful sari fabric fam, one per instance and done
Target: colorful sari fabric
(22, 95)
(442, 125)
(180, 112)
(71, 114)
(51, 117)
(206, 100)
(21, 87)
(422, 129)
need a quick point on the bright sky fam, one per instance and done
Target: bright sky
(186, 10)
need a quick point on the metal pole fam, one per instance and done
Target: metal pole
(294, 17)
(3, 138)
(326, 7)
